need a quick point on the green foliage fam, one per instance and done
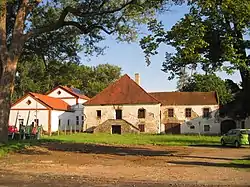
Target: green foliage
(209, 35)
(208, 83)
(34, 76)
(137, 139)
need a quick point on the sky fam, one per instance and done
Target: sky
(131, 59)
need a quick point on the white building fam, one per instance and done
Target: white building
(189, 112)
(61, 109)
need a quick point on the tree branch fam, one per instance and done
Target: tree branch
(76, 12)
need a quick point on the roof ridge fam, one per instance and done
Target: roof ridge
(144, 90)
(106, 88)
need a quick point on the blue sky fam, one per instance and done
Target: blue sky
(131, 58)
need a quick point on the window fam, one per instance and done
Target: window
(68, 122)
(99, 113)
(206, 112)
(59, 92)
(141, 127)
(77, 120)
(82, 119)
(59, 122)
(118, 114)
(141, 113)
(28, 102)
(192, 127)
(188, 112)
(206, 128)
(170, 112)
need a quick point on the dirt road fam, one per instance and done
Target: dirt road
(58, 164)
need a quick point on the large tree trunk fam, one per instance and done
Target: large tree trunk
(7, 76)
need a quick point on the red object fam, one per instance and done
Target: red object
(12, 129)
(34, 130)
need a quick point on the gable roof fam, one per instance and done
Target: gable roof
(51, 102)
(186, 98)
(73, 91)
(123, 91)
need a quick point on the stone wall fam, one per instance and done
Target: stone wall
(129, 113)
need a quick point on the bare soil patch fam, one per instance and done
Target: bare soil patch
(71, 164)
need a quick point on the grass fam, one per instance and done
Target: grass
(138, 139)
(126, 139)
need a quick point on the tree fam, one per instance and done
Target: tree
(25, 20)
(182, 79)
(210, 36)
(208, 83)
(33, 76)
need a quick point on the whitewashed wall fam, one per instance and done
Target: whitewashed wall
(129, 113)
(34, 104)
(42, 115)
(198, 121)
(62, 94)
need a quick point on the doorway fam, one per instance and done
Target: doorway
(172, 128)
(116, 129)
(118, 114)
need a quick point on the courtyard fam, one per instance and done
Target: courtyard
(63, 162)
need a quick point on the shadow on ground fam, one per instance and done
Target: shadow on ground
(212, 164)
(104, 149)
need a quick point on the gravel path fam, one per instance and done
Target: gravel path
(103, 165)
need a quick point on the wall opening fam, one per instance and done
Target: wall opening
(116, 129)
(118, 114)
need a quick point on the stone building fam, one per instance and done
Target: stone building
(123, 107)
(189, 112)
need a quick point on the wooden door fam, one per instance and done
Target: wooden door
(172, 128)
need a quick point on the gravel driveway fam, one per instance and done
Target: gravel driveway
(57, 164)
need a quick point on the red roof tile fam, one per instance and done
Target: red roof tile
(186, 98)
(123, 91)
(52, 102)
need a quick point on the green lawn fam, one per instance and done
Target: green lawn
(13, 146)
(138, 139)
(127, 139)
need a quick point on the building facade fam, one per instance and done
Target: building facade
(123, 107)
(61, 109)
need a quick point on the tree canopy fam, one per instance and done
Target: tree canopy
(33, 76)
(208, 83)
(210, 37)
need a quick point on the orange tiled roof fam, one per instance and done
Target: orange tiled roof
(123, 91)
(186, 98)
(52, 102)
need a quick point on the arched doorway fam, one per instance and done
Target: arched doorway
(227, 125)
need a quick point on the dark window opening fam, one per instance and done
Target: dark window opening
(141, 113)
(192, 127)
(206, 112)
(206, 128)
(59, 122)
(77, 120)
(188, 112)
(170, 112)
(116, 129)
(28, 102)
(59, 92)
(99, 113)
(141, 127)
(118, 114)
(68, 122)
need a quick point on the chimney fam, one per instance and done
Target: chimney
(137, 78)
